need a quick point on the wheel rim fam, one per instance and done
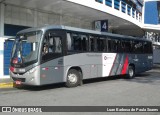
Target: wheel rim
(131, 72)
(72, 78)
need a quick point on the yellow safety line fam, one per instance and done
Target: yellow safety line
(6, 85)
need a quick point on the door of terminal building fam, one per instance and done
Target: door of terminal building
(8, 44)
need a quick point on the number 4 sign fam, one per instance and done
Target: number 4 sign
(104, 26)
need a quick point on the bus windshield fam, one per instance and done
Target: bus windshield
(26, 47)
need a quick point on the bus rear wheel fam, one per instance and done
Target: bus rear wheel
(131, 72)
(73, 78)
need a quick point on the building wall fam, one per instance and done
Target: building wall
(151, 13)
(156, 55)
(18, 16)
(151, 18)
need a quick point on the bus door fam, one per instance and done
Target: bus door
(52, 57)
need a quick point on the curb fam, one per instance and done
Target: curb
(7, 85)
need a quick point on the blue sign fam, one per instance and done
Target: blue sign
(104, 26)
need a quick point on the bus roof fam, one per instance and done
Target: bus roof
(45, 28)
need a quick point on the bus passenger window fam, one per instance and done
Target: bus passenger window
(109, 45)
(84, 42)
(101, 43)
(138, 47)
(77, 42)
(115, 44)
(58, 45)
(126, 46)
(52, 46)
(147, 47)
(69, 42)
(92, 43)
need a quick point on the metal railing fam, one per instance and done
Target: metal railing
(122, 7)
(154, 37)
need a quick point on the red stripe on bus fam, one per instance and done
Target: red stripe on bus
(112, 65)
(125, 66)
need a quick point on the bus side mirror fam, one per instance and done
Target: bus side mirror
(7, 42)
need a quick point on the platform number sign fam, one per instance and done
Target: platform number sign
(104, 26)
(101, 25)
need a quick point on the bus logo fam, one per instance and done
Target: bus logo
(6, 109)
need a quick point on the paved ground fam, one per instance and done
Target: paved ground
(144, 90)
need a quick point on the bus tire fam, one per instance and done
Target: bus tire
(73, 78)
(131, 72)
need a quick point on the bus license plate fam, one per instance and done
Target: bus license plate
(18, 82)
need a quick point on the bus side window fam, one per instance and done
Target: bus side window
(84, 42)
(115, 45)
(69, 42)
(131, 46)
(58, 45)
(76, 46)
(147, 47)
(92, 43)
(150, 48)
(138, 47)
(118, 45)
(126, 46)
(109, 45)
(123, 47)
(51, 45)
(101, 43)
(77, 42)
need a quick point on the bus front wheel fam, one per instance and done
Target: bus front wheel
(131, 72)
(73, 78)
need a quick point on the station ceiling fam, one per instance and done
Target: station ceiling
(64, 7)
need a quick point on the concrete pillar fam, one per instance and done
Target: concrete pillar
(112, 3)
(120, 6)
(131, 12)
(138, 17)
(35, 18)
(2, 19)
(104, 2)
(2, 59)
(143, 15)
(126, 9)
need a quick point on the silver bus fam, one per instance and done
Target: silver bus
(66, 54)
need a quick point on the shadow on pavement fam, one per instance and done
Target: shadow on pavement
(152, 78)
(156, 66)
(39, 88)
(62, 85)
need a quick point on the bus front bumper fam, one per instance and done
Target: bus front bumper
(25, 79)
